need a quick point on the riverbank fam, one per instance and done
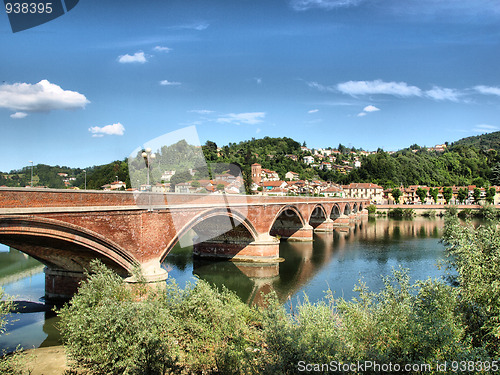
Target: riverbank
(46, 361)
(421, 209)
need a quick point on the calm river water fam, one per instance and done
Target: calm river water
(335, 261)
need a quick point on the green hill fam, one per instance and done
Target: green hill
(481, 142)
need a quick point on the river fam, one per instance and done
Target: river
(335, 261)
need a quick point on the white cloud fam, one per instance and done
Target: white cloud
(138, 57)
(115, 129)
(258, 80)
(18, 115)
(487, 90)
(202, 111)
(320, 87)
(301, 5)
(257, 131)
(242, 118)
(313, 111)
(169, 83)
(371, 108)
(40, 97)
(199, 26)
(485, 128)
(162, 49)
(440, 93)
(354, 88)
(368, 109)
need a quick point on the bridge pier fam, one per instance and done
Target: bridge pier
(264, 249)
(302, 235)
(341, 222)
(325, 226)
(61, 285)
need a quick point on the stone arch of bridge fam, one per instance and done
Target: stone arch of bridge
(347, 209)
(318, 211)
(289, 224)
(336, 212)
(238, 220)
(355, 208)
(63, 246)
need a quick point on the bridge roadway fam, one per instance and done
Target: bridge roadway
(66, 229)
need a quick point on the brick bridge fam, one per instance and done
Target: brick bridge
(66, 229)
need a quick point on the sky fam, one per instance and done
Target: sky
(105, 78)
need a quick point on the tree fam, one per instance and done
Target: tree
(495, 175)
(490, 195)
(220, 187)
(422, 194)
(396, 194)
(477, 195)
(447, 194)
(462, 195)
(434, 194)
(195, 184)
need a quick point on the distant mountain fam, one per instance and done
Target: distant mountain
(481, 142)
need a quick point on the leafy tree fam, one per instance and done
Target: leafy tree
(495, 175)
(474, 253)
(180, 177)
(462, 195)
(195, 184)
(447, 194)
(476, 195)
(220, 187)
(434, 193)
(396, 194)
(422, 194)
(490, 195)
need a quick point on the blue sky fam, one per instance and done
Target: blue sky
(94, 84)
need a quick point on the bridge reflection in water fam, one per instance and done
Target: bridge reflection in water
(368, 250)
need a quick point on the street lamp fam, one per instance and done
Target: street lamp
(85, 171)
(31, 173)
(148, 156)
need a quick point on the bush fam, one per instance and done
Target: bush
(12, 363)
(112, 328)
(474, 252)
(429, 213)
(399, 213)
(465, 213)
(402, 324)
(372, 209)
(487, 212)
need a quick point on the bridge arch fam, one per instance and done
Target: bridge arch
(239, 223)
(288, 223)
(63, 246)
(319, 211)
(355, 208)
(347, 209)
(336, 212)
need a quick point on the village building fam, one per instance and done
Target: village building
(292, 176)
(365, 191)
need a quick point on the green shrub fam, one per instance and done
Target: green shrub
(488, 212)
(399, 213)
(474, 252)
(113, 328)
(402, 324)
(429, 213)
(372, 209)
(11, 363)
(465, 213)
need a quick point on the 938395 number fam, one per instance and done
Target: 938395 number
(31, 8)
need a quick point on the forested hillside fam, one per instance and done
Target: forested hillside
(481, 142)
(469, 161)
